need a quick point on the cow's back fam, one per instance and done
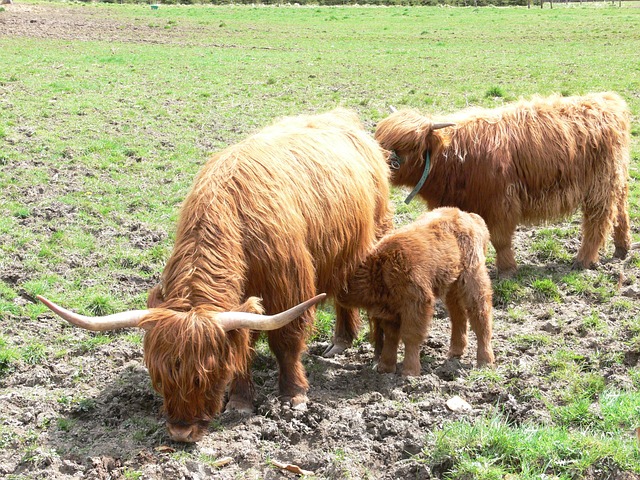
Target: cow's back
(292, 197)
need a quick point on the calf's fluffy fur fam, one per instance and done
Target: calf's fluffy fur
(527, 162)
(442, 254)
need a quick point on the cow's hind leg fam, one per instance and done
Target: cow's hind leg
(347, 326)
(596, 223)
(621, 232)
(501, 239)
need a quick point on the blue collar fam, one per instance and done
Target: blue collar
(396, 163)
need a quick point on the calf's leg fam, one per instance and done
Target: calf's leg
(476, 296)
(414, 328)
(458, 317)
(389, 353)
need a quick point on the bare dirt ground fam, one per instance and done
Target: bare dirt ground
(93, 414)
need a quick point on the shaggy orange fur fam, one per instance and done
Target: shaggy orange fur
(290, 211)
(525, 163)
(442, 254)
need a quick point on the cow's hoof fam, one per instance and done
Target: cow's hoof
(334, 349)
(582, 265)
(297, 402)
(621, 253)
(239, 406)
(382, 368)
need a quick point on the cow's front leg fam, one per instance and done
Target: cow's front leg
(241, 390)
(287, 344)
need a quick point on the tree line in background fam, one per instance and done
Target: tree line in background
(456, 3)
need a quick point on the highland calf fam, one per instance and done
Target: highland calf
(442, 254)
(524, 163)
(290, 211)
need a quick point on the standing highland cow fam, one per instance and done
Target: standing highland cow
(442, 254)
(288, 212)
(524, 163)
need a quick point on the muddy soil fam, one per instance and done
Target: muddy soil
(93, 414)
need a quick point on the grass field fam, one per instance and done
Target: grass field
(108, 111)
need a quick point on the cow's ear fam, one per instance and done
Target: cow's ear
(155, 297)
(252, 305)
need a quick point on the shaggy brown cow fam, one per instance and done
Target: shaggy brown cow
(524, 163)
(290, 211)
(442, 254)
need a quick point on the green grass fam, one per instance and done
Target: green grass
(190, 105)
(546, 289)
(100, 140)
(492, 448)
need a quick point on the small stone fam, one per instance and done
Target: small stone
(457, 404)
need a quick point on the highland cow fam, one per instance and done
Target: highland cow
(290, 211)
(524, 163)
(442, 254)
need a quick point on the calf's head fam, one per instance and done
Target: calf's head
(192, 355)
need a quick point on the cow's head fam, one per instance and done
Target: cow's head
(192, 354)
(408, 135)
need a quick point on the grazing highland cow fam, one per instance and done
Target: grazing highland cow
(524, 163)
(289, 211)
(442, 254)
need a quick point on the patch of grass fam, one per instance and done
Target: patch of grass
(323, 327)
(548, 247)
(9, 355)
(590, 284)
(130, 474)
(594, 321)
(100, 305)
(490, 448)
(134, 338)
(506, 291)
(65, 424)
(33, 353)
(526, 341)
(93, 341)
(546, 289)
(495, 91)
(517, 314)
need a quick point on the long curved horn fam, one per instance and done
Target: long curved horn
(438, 126)
(254, 321)
(127, 319)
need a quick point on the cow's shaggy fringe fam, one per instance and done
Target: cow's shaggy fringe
(288, 212)
(441, 254)
(527, 162)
